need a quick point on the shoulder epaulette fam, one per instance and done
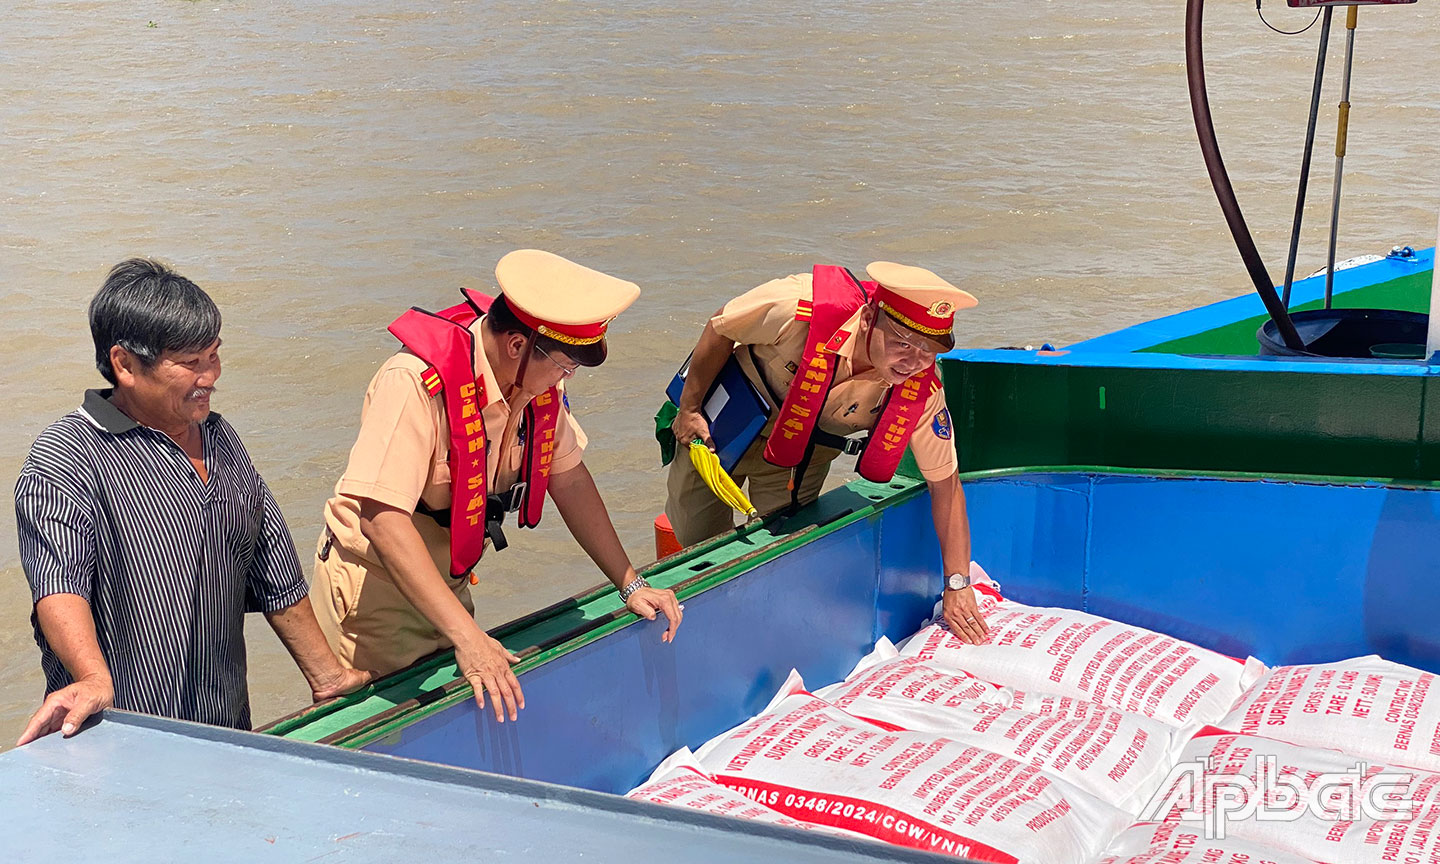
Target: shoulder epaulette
(431, 379)
(803, 310)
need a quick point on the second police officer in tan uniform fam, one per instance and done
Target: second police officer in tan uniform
(834, 357)
(467, 424)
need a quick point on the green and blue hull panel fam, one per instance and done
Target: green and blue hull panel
(1228, 327)
(1189, 392)
(1288, 569)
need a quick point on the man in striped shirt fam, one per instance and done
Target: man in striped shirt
(146, 534)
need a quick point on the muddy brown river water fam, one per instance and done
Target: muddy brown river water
(320, 167)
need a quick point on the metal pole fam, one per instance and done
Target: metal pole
(1224, 192)
(1344, 126)
(1305, 162)
(1432, 336)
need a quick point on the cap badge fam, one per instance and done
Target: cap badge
(942, 309)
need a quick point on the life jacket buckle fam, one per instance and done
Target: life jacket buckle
(516, 496)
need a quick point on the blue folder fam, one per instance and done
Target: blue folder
(734, 409)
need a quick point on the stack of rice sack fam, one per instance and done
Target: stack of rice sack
(1040, 746)
(1072, 738)
(1119, 758)
(804, 759)
(681, 782)
(1337, 762)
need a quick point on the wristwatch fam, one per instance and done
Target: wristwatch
(957, 581)
(634, 585)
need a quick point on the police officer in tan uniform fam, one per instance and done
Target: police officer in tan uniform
(401, 542)
(886, 347)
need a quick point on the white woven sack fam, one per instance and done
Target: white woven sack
(1071, 653)
(1172, 843)
(1315, 803)
(1117, 757)
(808, 760)
(681, 782)
(1367, 706)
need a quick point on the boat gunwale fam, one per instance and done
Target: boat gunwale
(427, 701)
(536, 653)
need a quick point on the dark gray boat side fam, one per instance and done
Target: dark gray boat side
(218, 795)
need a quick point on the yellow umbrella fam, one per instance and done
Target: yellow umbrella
(707, 465)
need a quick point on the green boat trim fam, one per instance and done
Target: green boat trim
(433, 683)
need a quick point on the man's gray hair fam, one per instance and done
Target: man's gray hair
(148, 309)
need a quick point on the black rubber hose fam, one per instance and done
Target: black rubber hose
(1205, 128)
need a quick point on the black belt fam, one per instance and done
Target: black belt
(848, 446)
(498, 505)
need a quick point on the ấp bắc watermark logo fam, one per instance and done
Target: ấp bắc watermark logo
(1363, 792)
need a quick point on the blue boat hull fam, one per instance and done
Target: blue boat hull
(1286, 571)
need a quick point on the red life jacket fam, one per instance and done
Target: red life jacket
(835, 297)
(444, 341)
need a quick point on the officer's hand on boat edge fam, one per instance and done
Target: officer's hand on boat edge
(486, 665)
(646, 602)
(962, 615)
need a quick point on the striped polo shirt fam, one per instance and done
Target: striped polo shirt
(114, 512)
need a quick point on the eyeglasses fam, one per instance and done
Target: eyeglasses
(900, 343)
(565, 371)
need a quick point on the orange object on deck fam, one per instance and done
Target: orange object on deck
(665, 542)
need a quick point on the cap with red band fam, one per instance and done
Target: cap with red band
(570, 334)
(560, 299)
(917, 298)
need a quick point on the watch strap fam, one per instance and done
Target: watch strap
(635, 585)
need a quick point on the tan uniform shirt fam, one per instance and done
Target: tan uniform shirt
(399, 456)
(764, 318)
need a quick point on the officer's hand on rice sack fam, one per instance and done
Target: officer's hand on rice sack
(952, 524)
(962, 615)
